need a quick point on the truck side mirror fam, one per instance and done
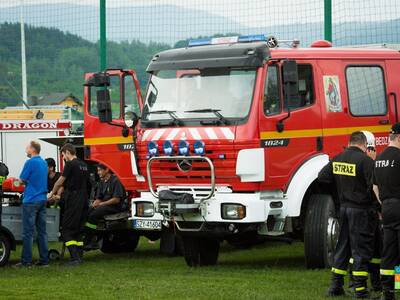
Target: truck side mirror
(290, 83)
(104, 105)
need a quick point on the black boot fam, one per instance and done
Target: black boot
(387, 287)
(360, 286)
(90, 241)
(74, 253)
(375, 279)
(336, 288)
(351, 280)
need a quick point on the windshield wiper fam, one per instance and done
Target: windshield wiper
(171, 113)
(216, 112)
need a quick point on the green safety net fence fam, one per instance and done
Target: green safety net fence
(62, 35)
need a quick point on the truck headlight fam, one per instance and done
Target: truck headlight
(144, 209)
(233, 211)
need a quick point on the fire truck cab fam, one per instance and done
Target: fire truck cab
(234, 131)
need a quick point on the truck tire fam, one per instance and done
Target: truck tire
(5, 250)
(320, 231)
(200, 251)
(120, 242)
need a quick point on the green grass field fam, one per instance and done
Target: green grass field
(268, 271)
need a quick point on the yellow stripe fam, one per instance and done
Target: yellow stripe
(71, 243)
(360, 273)
(80, 244)
(338, 271)
(322, 132)
(108, 140)
(376, 261)
(387, 272)
(361, 288)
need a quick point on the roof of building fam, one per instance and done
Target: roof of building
(52, 99)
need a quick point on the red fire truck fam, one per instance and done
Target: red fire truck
(233, 133)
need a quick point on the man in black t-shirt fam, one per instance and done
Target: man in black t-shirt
(52, 177)
(387, 186)
(109, 197)
(74, 178)
(52, 174)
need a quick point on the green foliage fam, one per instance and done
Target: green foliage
(57, 61)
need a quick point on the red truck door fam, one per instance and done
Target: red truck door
(300, 132)
(358, 100)
(104, 142)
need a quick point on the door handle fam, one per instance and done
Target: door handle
(384, 122)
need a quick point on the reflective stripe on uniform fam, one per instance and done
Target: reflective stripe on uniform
(376, 261)
(387, 272)
(351, 260)
(338, 271)
(361, 288)
(71, 243)
(360, 273)
(80, 244)
(92, 226)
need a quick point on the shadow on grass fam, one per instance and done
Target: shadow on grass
(287, 262)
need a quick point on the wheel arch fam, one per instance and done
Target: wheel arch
(303, 183)
(7, 233)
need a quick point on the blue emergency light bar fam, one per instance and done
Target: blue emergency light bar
(228, 40)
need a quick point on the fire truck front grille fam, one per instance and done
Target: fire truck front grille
(223, 155)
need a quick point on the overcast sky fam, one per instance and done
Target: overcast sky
(252, 12)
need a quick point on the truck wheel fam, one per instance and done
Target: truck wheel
(119, 242)
(131, 242)
(5, 250)
(200, 251)
(54, 255)
(321, 231)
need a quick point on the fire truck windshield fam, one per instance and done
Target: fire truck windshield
(224, 94)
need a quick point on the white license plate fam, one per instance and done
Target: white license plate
(147, 224)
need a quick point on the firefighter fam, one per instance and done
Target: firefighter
(74, 178)
(374, 264)
(387, 185)
(351, 172)
(109, 197)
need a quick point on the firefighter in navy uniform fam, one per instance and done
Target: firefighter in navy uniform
(374, 264)
(351, 172)
(387, 185)
(74, 178)
(109, 199)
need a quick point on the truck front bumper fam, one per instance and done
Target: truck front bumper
(217, 214)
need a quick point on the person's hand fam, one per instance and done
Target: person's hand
(96, 203)
(50, 196)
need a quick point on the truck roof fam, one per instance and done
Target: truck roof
(334, 53)
(214, 56)
(254, 54)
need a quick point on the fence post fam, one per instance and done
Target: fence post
(103, 37)
(328, 20)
